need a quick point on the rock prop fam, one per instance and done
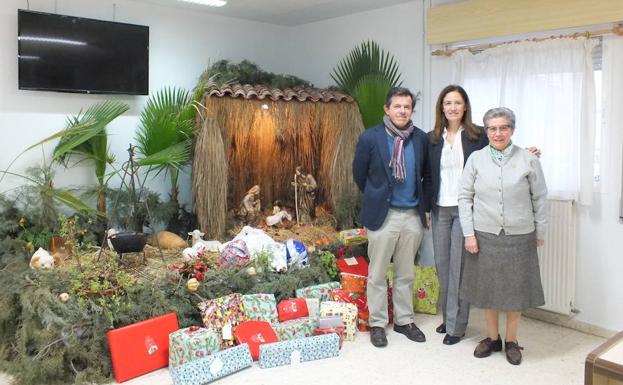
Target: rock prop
(168, 240)
(63, 297)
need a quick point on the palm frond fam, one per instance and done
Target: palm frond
(363, 60)
(172, 157)
(367, 73)
(92, 123)
(370, 93)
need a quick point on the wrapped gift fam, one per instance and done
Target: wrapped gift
(353, 265)
(212, 367)
(293, 329)
(313, 306)
(337, 330)
(292, 308)
(329, 322)
(192, 343)
(254, 334)
(347, 311)
(222, 314)
(141, 347)
(261, 307)
(235, 254)
(425, 290)
(300, 350)
(357, 299)
(354, 283)
(318, 291)
(390, 305)
(352, 236)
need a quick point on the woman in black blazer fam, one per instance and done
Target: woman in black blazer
(451, 142)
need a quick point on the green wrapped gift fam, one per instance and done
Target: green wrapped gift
(425, 288)
(320, 291)
(186, 345)
(261, 307)
(293, 329)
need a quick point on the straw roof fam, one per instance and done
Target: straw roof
(258, 135)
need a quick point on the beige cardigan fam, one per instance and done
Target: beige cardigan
(509, 195)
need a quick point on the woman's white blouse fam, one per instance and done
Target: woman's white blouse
(450, 169)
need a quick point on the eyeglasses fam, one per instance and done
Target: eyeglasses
(501, 129)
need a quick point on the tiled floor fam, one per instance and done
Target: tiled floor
(553, 355)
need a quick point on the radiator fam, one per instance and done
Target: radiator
(557, 258)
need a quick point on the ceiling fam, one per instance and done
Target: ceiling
(284, 12)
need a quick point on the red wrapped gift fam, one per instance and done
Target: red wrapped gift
(390, 305)
(141, 347)
(255, 333)
(337, 330)
(354, 283)
(353, 265)
(292, 308)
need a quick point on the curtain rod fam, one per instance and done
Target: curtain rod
(618, 30)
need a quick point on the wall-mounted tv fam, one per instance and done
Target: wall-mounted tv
(75, 54)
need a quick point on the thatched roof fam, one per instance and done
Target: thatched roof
(248, 91)
(257, 136)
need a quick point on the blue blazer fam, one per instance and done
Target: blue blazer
(434, 160)
(373, 177)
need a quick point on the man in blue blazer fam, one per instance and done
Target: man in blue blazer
(390, 168)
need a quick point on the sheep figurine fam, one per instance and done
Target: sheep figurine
(41, 259)
(211, 246)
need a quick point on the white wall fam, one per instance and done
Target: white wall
(182, 44)
(318, 47)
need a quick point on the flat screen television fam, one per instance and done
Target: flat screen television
(75, 54)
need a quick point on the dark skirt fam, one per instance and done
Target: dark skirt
(504, 275)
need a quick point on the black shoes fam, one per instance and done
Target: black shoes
(487, 346)
(441, 329)
(451, 340)
(513, 352)
(411, 331)
(377, 337)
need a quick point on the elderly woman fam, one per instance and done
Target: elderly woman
(502, 208)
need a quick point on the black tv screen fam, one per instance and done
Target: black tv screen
(75, 54)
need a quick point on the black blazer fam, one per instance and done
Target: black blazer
(373, 177)
(434, 159)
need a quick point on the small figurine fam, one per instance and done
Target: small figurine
(279, 215)
(250, 206)
(305, 193)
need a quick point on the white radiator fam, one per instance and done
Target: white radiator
(557, 258)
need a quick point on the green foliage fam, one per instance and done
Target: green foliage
(329, 265)
(347, 209)
(46, 341)
(367, 73)
(150, 209)
(77, 232)
(223, 72)
(262, 259)
(166, 132)
(86, 138)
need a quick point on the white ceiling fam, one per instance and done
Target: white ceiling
(284, 12)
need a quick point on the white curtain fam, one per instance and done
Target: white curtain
(550, 87)
(611, 157)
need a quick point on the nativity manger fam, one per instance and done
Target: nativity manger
(255, 135)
